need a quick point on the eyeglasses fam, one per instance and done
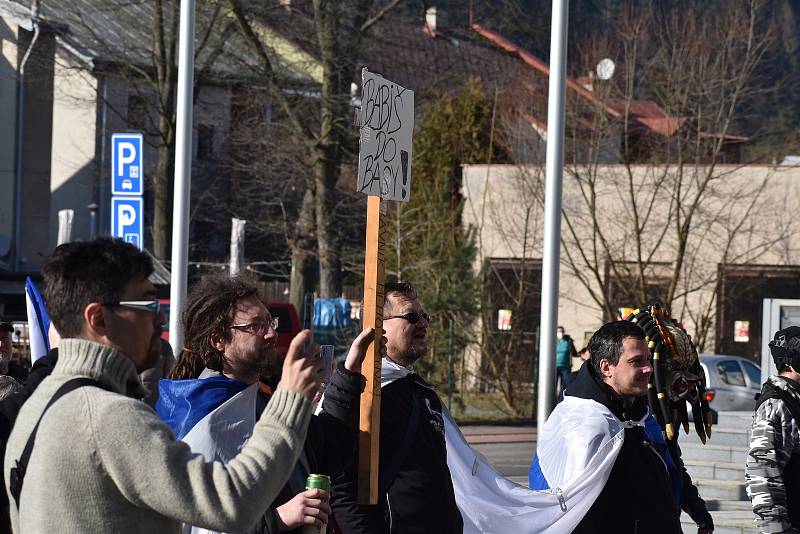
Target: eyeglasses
(258, 328)
(411, 317)
(152, 306)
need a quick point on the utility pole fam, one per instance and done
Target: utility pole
(183, 176)
(554, 171)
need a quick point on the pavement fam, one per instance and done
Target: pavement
(499, 434)
(508, 448)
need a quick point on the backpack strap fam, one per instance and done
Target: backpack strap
(788, 399)
(387, 474)
(17, 474)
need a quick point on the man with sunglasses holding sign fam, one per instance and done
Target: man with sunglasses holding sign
(86, 455)
(414, 484)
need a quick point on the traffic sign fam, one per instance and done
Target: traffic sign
(127, 164)
(127, 220)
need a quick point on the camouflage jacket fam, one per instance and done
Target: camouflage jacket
(775, 438)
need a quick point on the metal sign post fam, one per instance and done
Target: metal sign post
(183, 176)
(554, 170)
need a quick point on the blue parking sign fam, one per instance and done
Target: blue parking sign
(127, 164)
(127, 220)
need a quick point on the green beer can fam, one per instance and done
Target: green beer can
(322, 482)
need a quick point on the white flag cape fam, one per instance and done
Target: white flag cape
(577, 448)
(222, 433)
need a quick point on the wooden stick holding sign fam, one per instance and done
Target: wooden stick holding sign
(384, 173)
(372, 313)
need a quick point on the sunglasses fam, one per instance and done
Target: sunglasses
(411, 317)
(152, 306)
(258, 328)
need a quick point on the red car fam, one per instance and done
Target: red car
(288, 322)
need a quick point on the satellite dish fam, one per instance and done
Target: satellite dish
(605, 69)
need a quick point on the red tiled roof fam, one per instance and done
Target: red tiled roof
(643, 114)
(541, 66)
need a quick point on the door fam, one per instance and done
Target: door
(778, 314)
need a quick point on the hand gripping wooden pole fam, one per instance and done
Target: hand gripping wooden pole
(372, 313)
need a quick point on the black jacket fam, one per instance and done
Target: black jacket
(637, 499)
(9, 409)
(691, 502)
(330, 440)
(419, 498)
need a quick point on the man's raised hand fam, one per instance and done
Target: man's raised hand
(302, 370)
(358, 350)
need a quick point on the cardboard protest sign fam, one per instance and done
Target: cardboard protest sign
(387, 124)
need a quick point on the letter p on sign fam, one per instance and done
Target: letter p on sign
(126, 154)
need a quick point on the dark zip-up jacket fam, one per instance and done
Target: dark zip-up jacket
(419, 498)
(637, 499)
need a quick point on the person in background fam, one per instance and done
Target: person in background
(565, 351)
(9, 383)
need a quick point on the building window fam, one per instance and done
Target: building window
(205, 142)
(624, 290)
(137, 112)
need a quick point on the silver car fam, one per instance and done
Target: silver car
(733, 382)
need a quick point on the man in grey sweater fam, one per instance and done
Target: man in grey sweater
(103, 461)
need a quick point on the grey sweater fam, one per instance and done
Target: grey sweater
(104, 462)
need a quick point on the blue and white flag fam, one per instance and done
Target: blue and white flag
(38, 321)
(576, 461)
(215, 416)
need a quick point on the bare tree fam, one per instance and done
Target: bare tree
(645, 228)
(338, 32)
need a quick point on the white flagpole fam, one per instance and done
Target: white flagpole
(554, 170)
(183, 175)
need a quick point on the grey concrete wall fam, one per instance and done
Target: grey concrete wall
(37, 147)
(8, 118)
(74, 167)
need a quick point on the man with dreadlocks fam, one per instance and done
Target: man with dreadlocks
(772, 474)
(602, 417)
(230, 343)
(677, 378)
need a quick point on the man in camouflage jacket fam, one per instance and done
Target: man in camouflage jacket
(772, 474)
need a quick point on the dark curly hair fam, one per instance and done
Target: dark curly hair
(210, 308)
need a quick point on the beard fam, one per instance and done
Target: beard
(410, 355)
(261, 363)
(269, 361)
